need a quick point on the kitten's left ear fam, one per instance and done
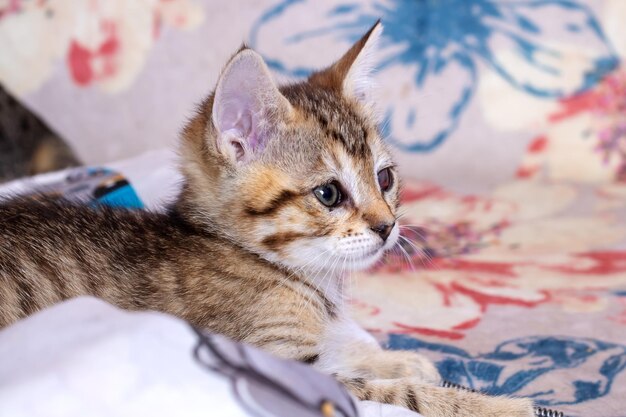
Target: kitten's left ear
(351, 74)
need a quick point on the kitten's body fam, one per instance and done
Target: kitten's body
(140, 260)
(255, 246)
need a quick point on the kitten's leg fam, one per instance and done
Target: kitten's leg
(403, 378)
(433, 401)
(287, 341)
(348, 350)
(287, 330)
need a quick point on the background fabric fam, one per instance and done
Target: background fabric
(94, 359)
(507, 118)
(465, 86)
(27, 145)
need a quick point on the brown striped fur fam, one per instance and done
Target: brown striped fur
(247, 250)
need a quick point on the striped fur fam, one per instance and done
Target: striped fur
(247, 250)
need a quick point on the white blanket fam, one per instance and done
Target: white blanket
(87, 358)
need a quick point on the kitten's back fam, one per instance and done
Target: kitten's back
(54, 250)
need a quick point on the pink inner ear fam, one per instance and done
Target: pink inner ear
(244, 98)
(247, 125)
(254, 136)
(239, 151)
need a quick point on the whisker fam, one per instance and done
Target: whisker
(317, 284)
(301, 269)
(343, 278)
(425, 255)
(406, 255)
(395, 250)
(330, 276)
(416, 248)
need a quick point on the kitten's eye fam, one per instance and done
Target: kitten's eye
(385, 179)
(328, 194)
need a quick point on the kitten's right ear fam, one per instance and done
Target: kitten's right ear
(246, 105)
(352, 73)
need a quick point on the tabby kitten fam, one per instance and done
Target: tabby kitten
(285, 188)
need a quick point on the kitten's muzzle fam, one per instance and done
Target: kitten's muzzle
(383, 229)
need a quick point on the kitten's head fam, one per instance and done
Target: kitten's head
(298, 174)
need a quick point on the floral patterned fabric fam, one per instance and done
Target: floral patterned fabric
(508, 120)
(519, 292)
(102, 42)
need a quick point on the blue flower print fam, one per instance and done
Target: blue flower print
(555, 371)
(434, 51)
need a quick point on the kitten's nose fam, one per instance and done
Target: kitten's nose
(383, 229)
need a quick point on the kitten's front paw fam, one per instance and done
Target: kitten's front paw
(436, 401)
(394, 364)
(504, 406)
(421, 367)
(475, 404)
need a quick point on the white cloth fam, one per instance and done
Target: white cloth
(84, 357)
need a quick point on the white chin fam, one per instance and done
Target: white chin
(364, 263)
